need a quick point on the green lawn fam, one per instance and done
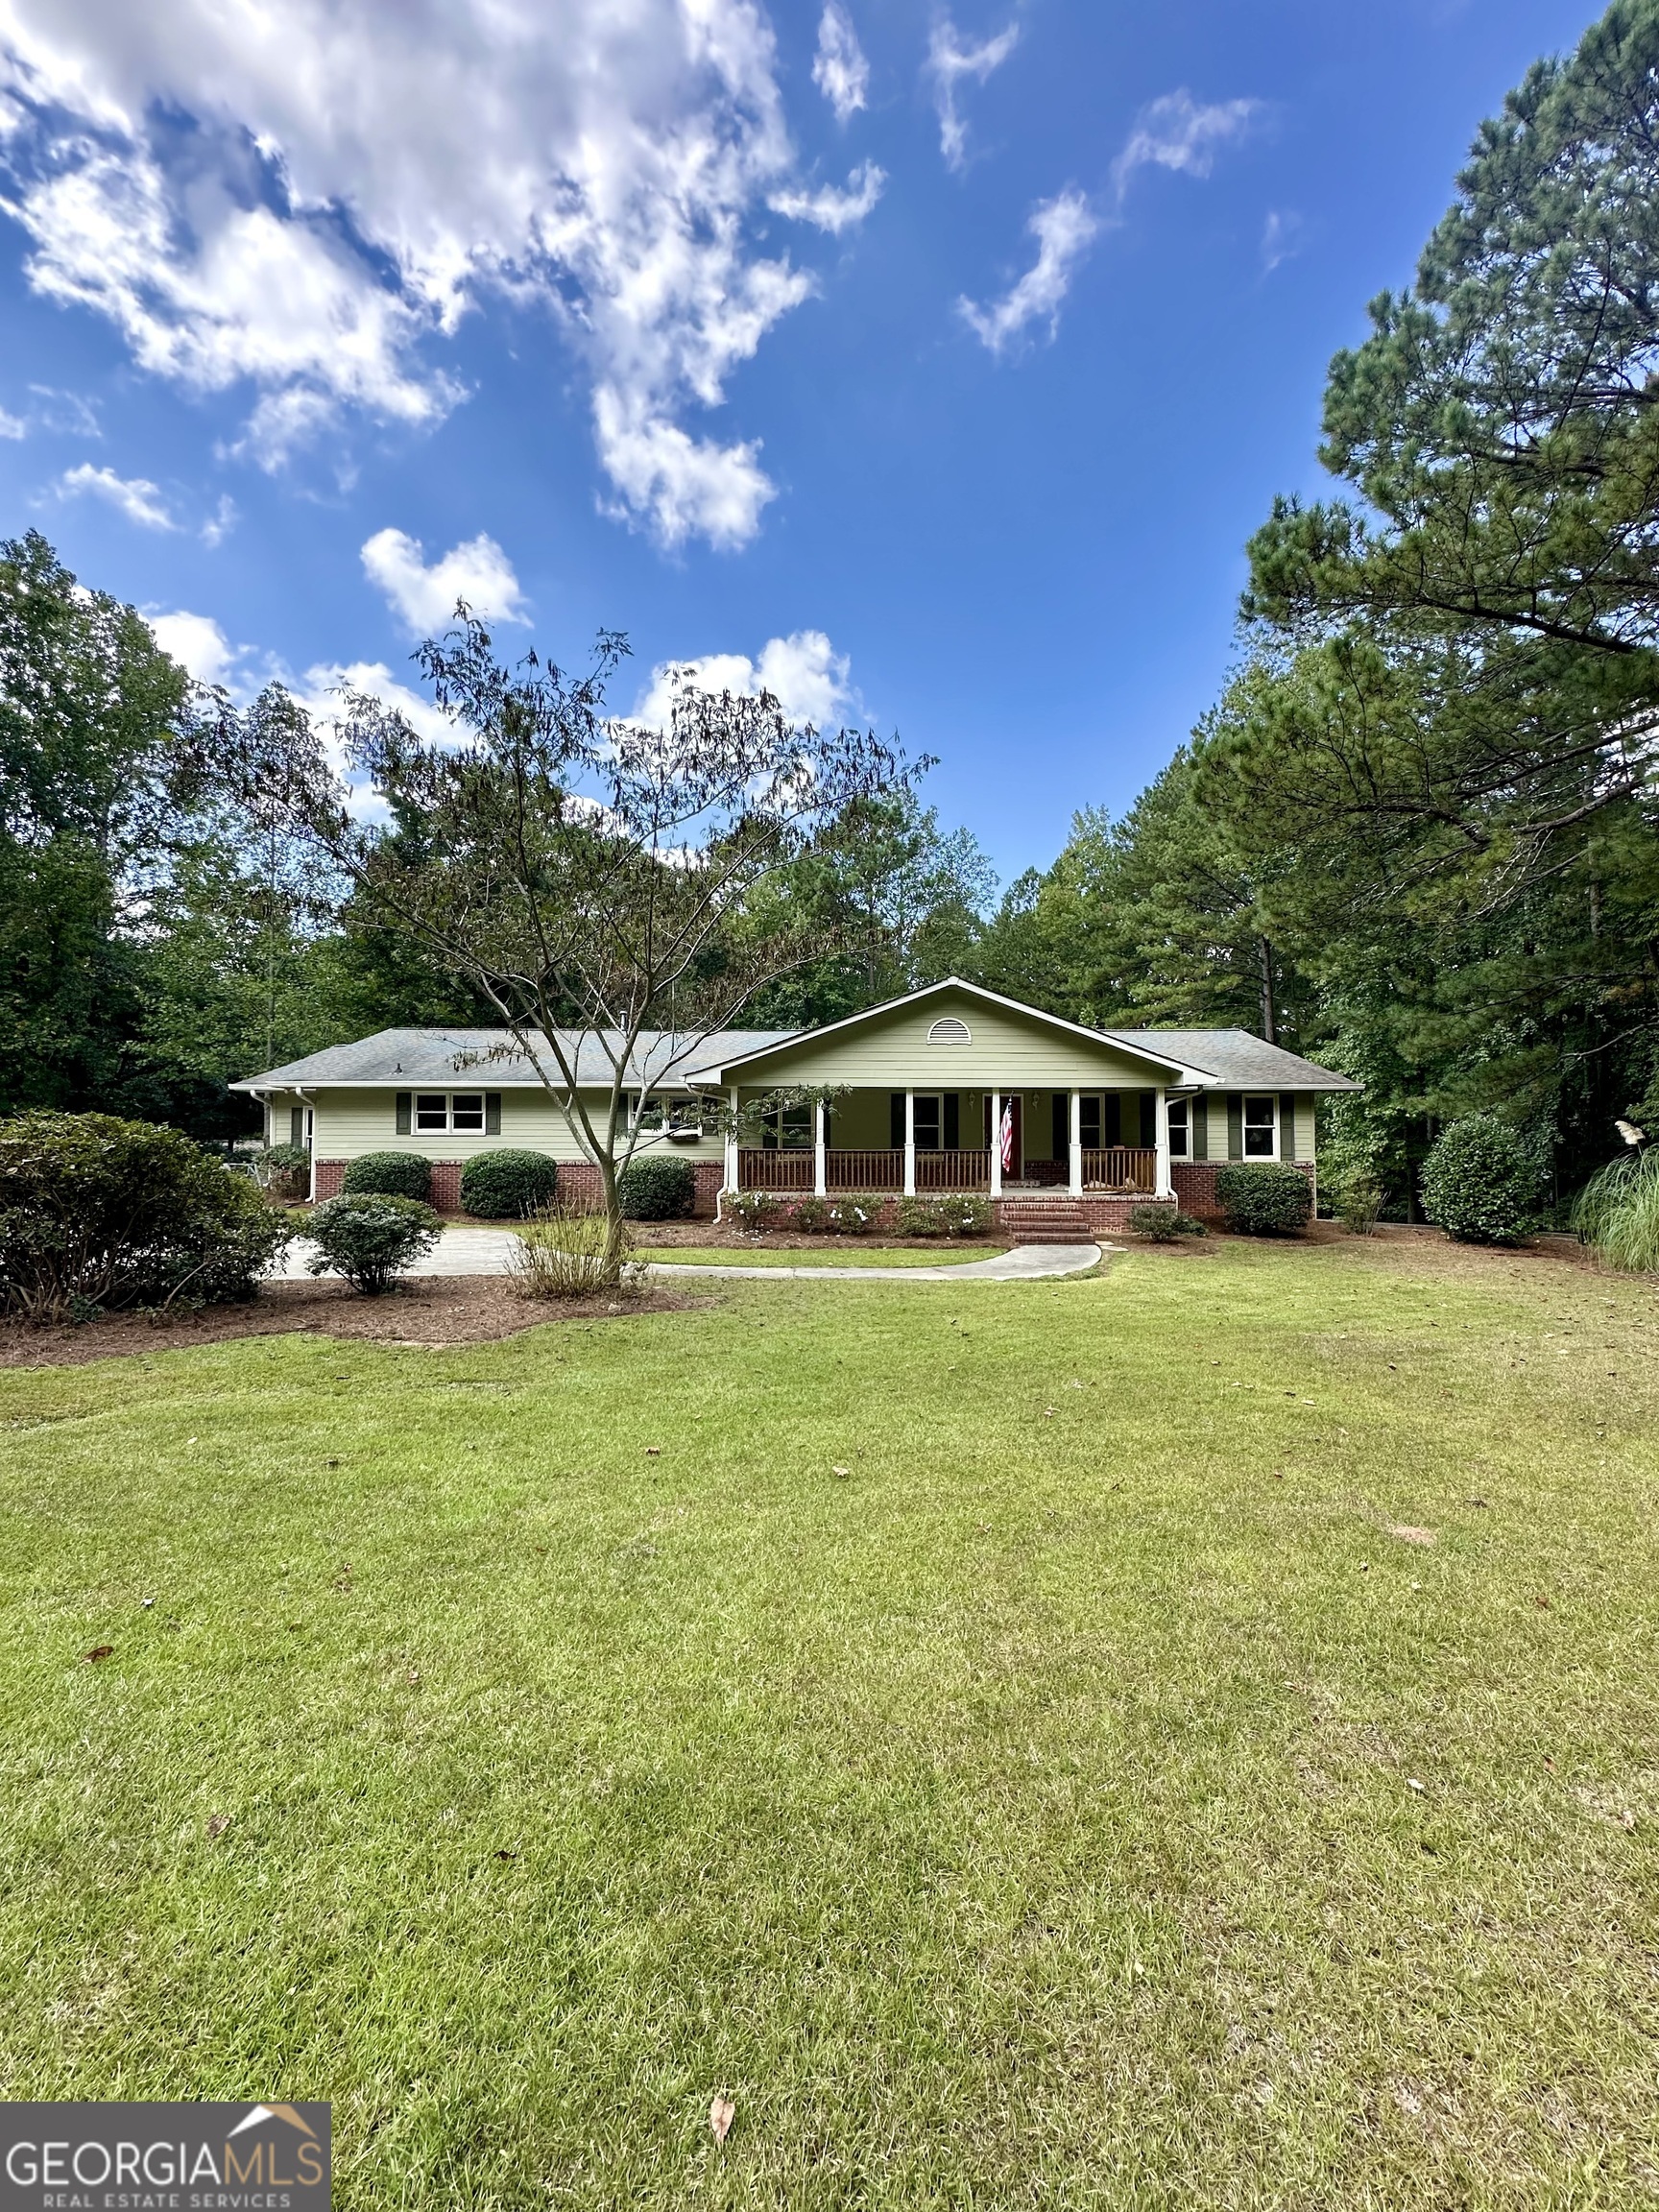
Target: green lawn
(854, 1255)
(1083, 1800)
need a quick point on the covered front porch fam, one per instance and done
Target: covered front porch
(1113, 1142)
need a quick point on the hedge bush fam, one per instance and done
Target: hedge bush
(1264, 1197)
(1482, 1182)
(388, 1176)
(370, 1237)
(508, 1186)
(657, 1189)
(754, 1209)
(100, 1212)
(963, 1216)
(1163, 1224)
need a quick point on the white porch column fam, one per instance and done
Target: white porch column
(732, 1143)
(1076, 1145)
(995, 1143)
(820, 1151)
(1165, 1187)
(909, 1144)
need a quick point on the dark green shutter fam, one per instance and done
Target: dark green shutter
(296, 1124)
(1199, 1110)
(896, 1120)
(1287, 1125)
(952, 1121)
(491, 1113)
(1235, 1126)
(1149, 1117)
(405, 1111)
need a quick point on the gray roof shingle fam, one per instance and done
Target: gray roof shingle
(488, 1056)
(1237, 1060)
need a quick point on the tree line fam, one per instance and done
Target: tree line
(1415, 837)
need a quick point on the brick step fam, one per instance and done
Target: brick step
(1046, 1221)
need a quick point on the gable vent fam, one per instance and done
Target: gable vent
(949, 1032)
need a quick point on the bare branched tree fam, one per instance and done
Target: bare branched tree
(592, 879)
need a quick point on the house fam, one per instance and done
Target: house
(950, 1089)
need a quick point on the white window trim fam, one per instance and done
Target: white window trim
(418, 1128)
(1182, 1128)
(1246, 1100)
(938, 1098)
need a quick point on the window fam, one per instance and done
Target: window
(436, 1111)
(788, 1129)
(929, 1122)
(1260, 1128)
(1180, 1139)
(948, 1031)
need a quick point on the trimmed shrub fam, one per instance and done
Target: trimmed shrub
(1264, 1197)
(754, 1209)
(370, 1237)
(100, 1212)
(388, 1176)
(851, 1216)
(961, 1216)
(284, 1170)
(1481, 1182)
(1159, 1224)
(507, 1186)
(654, 1189)
(810, 1217)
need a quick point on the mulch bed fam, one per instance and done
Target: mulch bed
(431, 1309)
(707, 1236)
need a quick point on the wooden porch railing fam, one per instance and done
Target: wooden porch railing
(1121, 1168)
(772, 1169)
(881, 1168)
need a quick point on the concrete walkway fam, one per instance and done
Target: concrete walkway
(485, 1252)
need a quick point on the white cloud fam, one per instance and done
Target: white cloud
(196, 643)
(832, 211)
(221, 522)
(804, 673)
(1064, 229)
(840, 71)
(134, 496)
(1176, 132)
(948, 62)
(354, 177)
(13, 425)
(1281, 237)
(319, 691)
(424, 598)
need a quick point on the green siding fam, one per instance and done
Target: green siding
(352, 1123)
(1008, 1052)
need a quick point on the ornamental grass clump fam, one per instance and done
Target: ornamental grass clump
(388, 1176)
(508, 1185)
(370, 1239)
(1617, 1213)
(1482, 1182)
(566, 1251)
(1265, 1198)
(97, 1213)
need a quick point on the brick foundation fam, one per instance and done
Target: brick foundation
(578, 1183)
(1194, 1182)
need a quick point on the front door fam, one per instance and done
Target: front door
(1014, 1101)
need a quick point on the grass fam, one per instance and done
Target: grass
(1083, 1800)
(852, 1254)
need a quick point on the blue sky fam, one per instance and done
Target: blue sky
(934, 363)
